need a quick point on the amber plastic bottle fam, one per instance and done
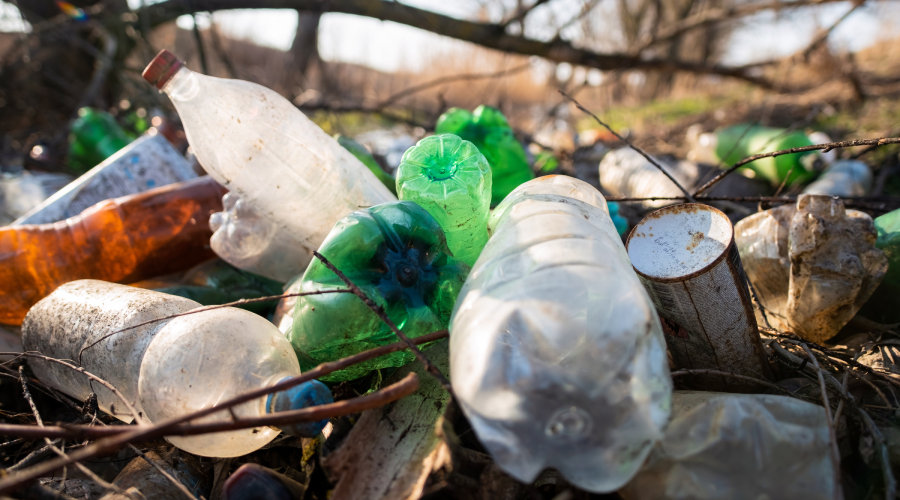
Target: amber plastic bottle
(123, 240)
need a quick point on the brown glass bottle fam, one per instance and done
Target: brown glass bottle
(122, 240)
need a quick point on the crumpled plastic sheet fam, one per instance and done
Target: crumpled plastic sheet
(737, 447)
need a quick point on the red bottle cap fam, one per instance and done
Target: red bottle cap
(162, 68)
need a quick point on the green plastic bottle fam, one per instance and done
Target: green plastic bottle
(93, 137)
(757, 140)
(397, 254)
(216, 282)
(449, 178)
(884, 304)
(362, 154)
(488, 129)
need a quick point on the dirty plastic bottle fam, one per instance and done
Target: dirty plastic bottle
(813, 264)
(141, 480)
(93, 137)
(556, 351)
(844, 178)
(126, 239)
(262, 148)
(624, 172)
(362, 154)
(167, 368)
(397, 254)
(739, 447)
(449, 178)
(217, 282)
(755, 139)
(488, 129)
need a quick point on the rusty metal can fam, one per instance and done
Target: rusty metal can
(686, 258)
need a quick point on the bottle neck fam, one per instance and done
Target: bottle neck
(306, 395)
(183, 86)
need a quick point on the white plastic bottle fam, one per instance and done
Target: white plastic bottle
(262, 148)
(844, 178)
(556, 352)
(624, 172)
(166, 368)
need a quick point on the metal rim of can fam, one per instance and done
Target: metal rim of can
(680, 208)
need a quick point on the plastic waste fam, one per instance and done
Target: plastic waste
(845, 178)
(170, 367)
(883, 304)
(283, 317)
(732, 144)
(488, 129)
(556, 352)
(287, 170)
(449, 178)
(620, 222)
(624, 172)
(23, 191)
(123, 240)
(812, 265)
(397, 254)
(362, 154)
(216, 282)
(738, 447)
(255, 482)
(141, 478)
(147, 163)
(686, 258)
(93, 137)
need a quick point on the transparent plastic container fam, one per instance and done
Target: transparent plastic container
(624, 172)
(843, 178)
(451, 179)
(262, 148)
(167, 368)
(557, 354)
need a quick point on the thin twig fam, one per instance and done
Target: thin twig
(378, 310)
(685, 371)
(824, 147)
(632, 146)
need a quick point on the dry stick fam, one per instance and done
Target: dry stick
(389, 394)
(824, 147)
(37, 417)
(377, 309)
(685, 371)
(210, 308)
(449, 79)
(112, 443)
(837, 413)
(632, 146)
(178, 484)
(829, 418)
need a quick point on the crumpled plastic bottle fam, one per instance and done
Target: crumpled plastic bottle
(362, 154)
(449, 178)
(738, 447)
(168, 368)
(397, 254)
(812, 265)
(488, 129)
(556, 351)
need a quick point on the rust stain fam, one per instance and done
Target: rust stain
(696, 238)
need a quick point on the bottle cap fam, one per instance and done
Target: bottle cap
(162, 68)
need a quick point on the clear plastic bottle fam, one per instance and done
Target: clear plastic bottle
(451, 179)
(624, 172)
(261, 147)
(166, 368)
(557, 354)
(844, 178)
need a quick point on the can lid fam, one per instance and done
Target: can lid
(162, 68)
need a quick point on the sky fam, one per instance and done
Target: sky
(390, 47)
